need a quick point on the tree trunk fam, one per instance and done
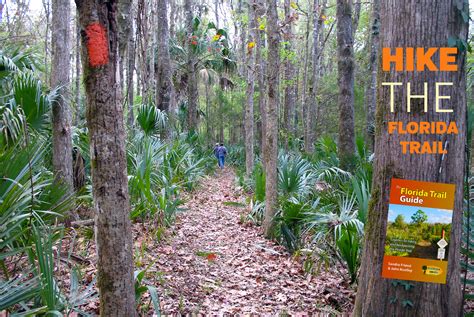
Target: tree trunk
(78, 73)
(345, 74)
(173, 16)
(142, 39)
(290, 82)
(260, 69)
(108, 161)
(312, 108)
(152, 49)
(60, 66)
(296, 117)
(131, 52)
(371, 92)
(242, 35)
(164, 84)
(249, 115)
(270, 154)
(304, 100)
(208, 110)
(216, 12)
(356, 17)
(47, 12)
(221, 116)
(426, 24)
(124, 25)
(192, 88)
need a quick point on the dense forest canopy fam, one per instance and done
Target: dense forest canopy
(225, 156)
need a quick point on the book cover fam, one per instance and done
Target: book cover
(418, 229)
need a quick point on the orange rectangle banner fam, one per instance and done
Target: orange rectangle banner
(427, 194)
(414, 269)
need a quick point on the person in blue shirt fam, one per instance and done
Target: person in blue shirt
(221, 154)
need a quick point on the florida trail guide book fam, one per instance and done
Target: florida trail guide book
(418, 228)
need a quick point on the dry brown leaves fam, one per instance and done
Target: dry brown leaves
(215, 265)
(210, 263)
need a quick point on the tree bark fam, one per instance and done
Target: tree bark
(47, 12)
(260, 69)
(60, 66)
(304, 97)
(216, 12)
(290, 81)
(426, 24)
(242, 35)
(249, 113)
(208, 110)
(108, 161)
(173, 16)
(143, 40)
(164, 84)
(356, 16)
(124, 25)
(192, 89)
(345, 74)
(131, 53)
(312, 107)
(371, 92)
(270, 154)
(78, 73)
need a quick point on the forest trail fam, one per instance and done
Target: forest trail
(215, 264)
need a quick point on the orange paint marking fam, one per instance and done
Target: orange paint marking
(211, 257)
(97, 46)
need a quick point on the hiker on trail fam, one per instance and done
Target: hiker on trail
(221, 154)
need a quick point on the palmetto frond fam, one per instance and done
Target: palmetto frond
(332, 219)
(295, 176)
(151, 119)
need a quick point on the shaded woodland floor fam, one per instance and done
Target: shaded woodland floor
(215, 263)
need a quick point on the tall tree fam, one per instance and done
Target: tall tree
(47, 12)
(312, 104)
(173, 16)
(290, 80)
(192, 88)
(144, 25)
(249, 111)
(131, 53)
(108, 161)
(345, 74)
(60, 66)
(216, 12)
(78, 72)
(164, 84)
(270, 150)
(356, 16)
(371, 91)
(303, 109)
(260, 68)
(426, 24)
(124, 18)
(242, 34)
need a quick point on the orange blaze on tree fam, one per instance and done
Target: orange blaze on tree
(97, 46)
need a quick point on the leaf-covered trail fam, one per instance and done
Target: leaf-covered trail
(214, 264)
